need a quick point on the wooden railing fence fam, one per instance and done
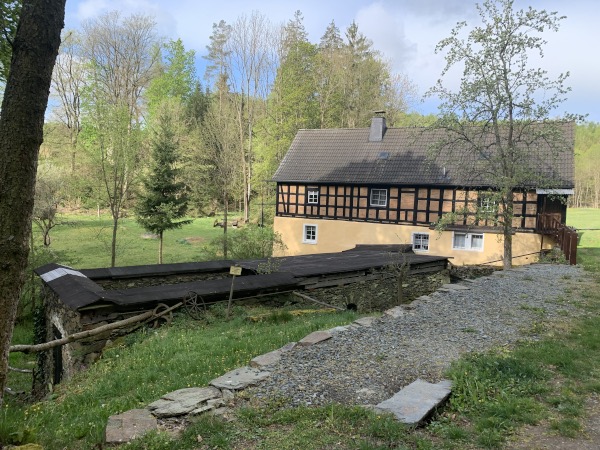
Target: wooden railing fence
(566, 237)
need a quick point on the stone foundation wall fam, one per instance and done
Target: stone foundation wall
(380, 294)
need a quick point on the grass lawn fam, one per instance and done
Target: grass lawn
(84, 242)
(587, 221)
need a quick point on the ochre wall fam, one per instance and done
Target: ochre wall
(339, 235)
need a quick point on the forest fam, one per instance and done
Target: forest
(131, 122)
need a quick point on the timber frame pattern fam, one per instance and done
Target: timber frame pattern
(418, 205)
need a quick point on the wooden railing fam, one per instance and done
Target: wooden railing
(566, 237)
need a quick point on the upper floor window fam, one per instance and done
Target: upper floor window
(378, 197)
(312, 196)
(420, 242)
(486, 204)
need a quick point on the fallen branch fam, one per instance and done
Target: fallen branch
(149, 315)
(15, 369)
(11, 392)
(306, 297)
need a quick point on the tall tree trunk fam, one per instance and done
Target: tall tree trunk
(508, 215)
(21, 133)
(226, 206)
(113, 243)
(160, 247)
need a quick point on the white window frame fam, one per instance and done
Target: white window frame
(312, 196)
(377, 202)
(418, 244)
(307, 240)
(468, 241)
(487, 205)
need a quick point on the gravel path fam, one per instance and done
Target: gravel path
(366, 365)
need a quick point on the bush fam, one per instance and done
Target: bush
(249, 242)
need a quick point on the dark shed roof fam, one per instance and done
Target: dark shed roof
(78, 291)
(404, 157)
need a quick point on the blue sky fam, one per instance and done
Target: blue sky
(405, 31)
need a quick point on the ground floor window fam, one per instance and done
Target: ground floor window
(467, 241)
(309, 234)
(420, 242)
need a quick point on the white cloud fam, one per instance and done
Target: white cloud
(386, 29)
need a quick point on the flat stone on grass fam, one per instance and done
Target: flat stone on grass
(125, 427)
(314, 338)
(416, 401)
(240, 378)
(183, 401)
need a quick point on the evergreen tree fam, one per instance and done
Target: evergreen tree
(164, 201)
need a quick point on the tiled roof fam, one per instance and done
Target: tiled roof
(405, 156)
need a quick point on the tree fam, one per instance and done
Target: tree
(113, 143)
(220, 154)
(34, 51)
(48, 195)
(292, 103)
(164, 201)
(9, 17)
(123, 53)
(498, 119)
(68, 81)
(250, 63)
(177, 76)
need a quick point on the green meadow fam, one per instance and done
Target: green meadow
(83, 241)
(587, 222)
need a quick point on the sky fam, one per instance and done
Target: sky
(404, 31)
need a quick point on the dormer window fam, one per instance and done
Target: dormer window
(312, 196)
(378, 197)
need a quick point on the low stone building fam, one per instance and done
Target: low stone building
(81, 302)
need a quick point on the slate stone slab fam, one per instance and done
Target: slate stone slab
(240, 378)
(129, 425)
(395, 312)
(267, 359)
(288, 347)
(456, 287)
(183, 401)
(416, 401)
(314, 338)
(365, 321)
(339, 329)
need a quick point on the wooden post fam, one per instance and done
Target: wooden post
(235, 271)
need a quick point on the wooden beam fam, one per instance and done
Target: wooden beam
(149, 315)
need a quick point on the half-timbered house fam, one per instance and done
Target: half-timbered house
(337, 188)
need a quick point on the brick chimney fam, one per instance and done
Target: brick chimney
(378, 127)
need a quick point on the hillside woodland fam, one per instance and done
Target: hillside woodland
(123, 100)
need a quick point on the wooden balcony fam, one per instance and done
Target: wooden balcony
(550, 224)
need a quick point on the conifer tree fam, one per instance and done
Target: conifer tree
(163, 205)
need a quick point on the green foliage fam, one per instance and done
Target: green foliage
(177, 77)
(587, 159)
(501, 99)
(163, 204)
(9, 19)
(246, 243)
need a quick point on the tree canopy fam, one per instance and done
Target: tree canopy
(500, 113)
